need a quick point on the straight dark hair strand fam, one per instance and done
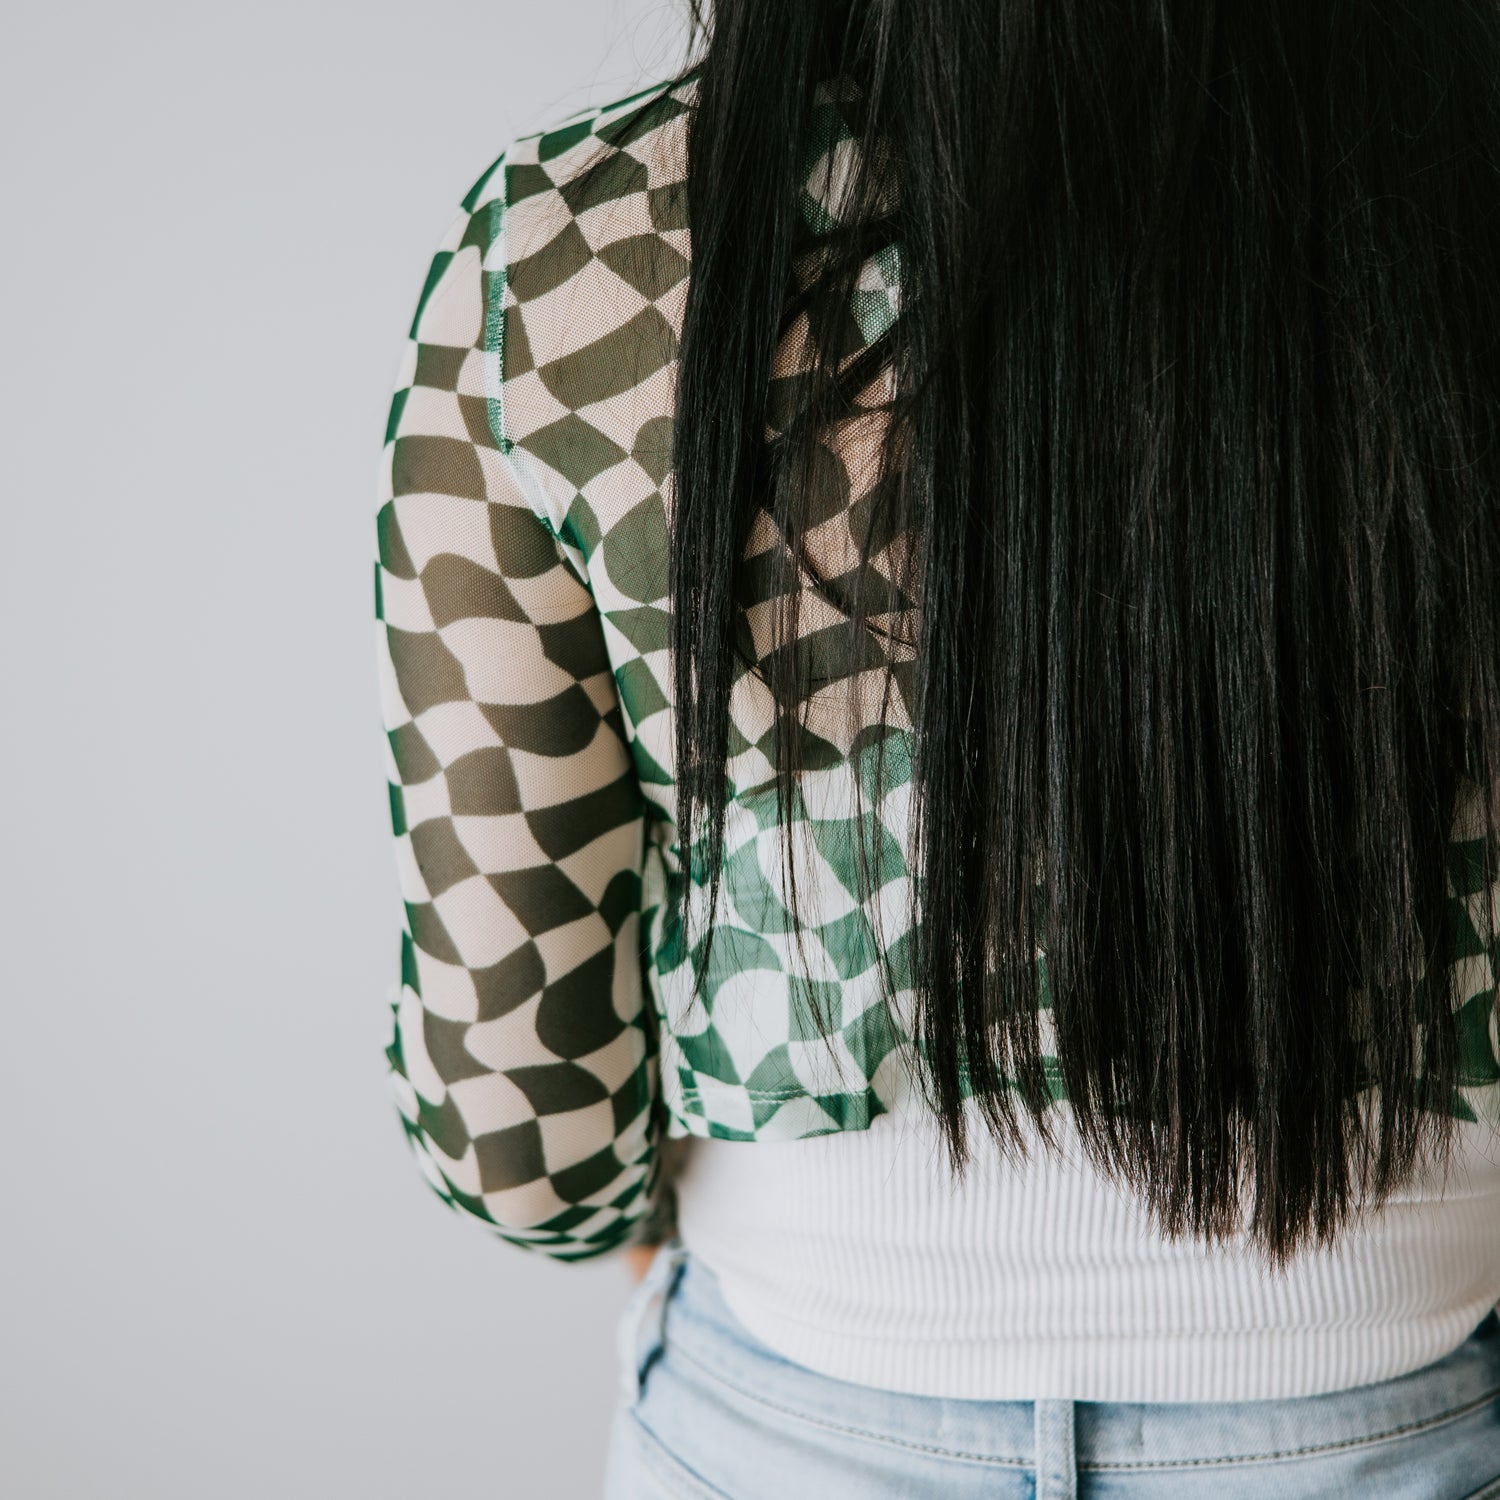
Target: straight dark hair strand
(1192, 430)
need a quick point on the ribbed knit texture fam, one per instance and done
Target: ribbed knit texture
(860, 1255)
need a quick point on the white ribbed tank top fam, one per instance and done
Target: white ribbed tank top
(859, 1254)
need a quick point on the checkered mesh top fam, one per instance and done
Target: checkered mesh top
(546, 1043)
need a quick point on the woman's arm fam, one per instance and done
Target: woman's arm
(520, 1053)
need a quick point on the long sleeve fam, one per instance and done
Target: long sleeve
(522, 1052)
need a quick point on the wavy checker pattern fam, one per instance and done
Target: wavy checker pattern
(545, 1044)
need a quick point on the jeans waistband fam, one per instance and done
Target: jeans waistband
(680, 1302)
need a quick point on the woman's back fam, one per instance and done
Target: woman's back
(525, 591)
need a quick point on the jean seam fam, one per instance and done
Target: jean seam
(1344, 1446)
(667, 1467)
(677, 1351)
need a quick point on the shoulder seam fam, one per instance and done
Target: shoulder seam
(494, 310)
(496, 261)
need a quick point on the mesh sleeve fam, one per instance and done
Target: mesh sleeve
(520, 1053)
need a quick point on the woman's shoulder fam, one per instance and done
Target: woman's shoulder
(583, 234)
(600, 167)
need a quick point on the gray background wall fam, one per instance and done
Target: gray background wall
(223, 1274)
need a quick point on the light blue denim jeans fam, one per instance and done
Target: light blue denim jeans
(708, 1412)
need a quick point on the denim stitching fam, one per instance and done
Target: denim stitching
(1346, 1445)
(876, 1437)
(1176, 1463)
(668, 1468)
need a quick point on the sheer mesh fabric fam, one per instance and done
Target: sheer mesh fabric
(547, 1050)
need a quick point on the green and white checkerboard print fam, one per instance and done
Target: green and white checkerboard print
(545, 1039)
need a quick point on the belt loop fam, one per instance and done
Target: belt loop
(1056, 1451)
(639, 1330)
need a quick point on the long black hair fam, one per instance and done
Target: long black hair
(1194, 399)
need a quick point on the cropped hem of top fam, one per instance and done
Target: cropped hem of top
(860, 1256)
(548, 1030)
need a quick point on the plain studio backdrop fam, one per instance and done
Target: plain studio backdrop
(224, 1276)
